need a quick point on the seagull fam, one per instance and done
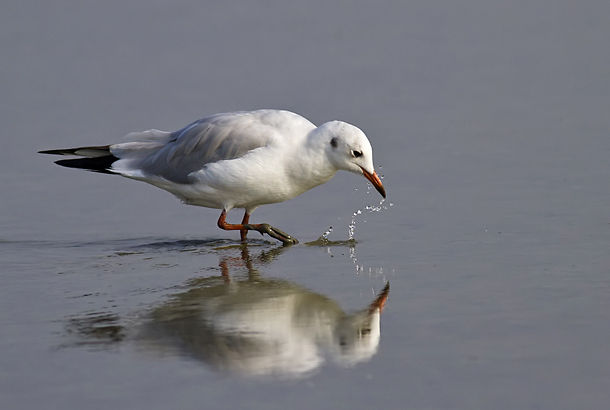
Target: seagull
(238, 159)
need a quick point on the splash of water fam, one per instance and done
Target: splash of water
(367, 209)
(325, 234)
(373, 271)
(352, 225)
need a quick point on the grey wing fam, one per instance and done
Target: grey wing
(211, 139)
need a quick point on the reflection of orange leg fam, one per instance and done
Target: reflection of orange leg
(224, 270)
(233, 261)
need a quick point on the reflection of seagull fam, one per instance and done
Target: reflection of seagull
(263, 326)
(236, 160)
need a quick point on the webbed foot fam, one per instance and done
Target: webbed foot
(273, 232)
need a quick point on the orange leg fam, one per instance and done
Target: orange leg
(244, 232)
(223, 224)
(244, 227)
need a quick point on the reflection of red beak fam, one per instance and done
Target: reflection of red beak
(379, 303)
(375, 181)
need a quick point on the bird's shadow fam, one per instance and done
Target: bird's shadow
(211, 245)
(219, 244)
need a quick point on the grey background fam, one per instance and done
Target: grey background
(488, 119)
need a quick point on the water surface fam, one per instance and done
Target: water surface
(489, 122)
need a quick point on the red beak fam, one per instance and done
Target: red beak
(374, 178)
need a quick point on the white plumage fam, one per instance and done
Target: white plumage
(236, 160)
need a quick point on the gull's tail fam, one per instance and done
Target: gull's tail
(96, 159)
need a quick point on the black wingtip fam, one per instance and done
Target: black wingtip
(98, 164)
(92, 158)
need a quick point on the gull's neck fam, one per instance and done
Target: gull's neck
(310, 166)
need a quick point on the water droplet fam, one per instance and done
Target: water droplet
(328, 231)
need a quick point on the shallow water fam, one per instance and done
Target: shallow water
(489, 122)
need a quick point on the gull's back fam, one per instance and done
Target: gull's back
(173, 156)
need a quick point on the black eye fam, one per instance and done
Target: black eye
(356, 153)
(333, 142)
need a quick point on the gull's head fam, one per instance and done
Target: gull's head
(350, 150)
